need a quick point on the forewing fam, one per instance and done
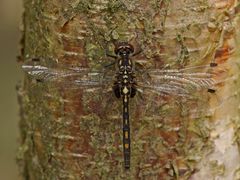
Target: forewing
(182, 82)
(71, 76)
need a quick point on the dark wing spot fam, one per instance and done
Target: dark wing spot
(211, 90)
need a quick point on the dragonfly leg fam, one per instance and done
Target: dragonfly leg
(110, 55)
(111, 64)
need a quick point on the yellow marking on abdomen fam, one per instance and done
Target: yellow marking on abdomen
(125, 98)
(126, 134)
(126, 146)
(125, 90)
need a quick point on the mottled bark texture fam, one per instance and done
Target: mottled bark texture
(76, 134)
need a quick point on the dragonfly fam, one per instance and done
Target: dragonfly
(125, 83)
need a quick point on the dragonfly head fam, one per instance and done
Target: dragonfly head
(123, 49)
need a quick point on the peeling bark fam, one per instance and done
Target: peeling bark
(76, 134)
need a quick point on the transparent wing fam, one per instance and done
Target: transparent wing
(182, 82)
(77, 76)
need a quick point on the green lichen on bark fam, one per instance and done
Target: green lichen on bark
(217, 169)
(76, 134)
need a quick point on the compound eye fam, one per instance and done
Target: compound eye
(119, 51)
(129, 51)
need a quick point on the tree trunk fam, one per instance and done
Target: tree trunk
(76, 134)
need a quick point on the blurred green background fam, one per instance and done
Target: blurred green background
(10, 75)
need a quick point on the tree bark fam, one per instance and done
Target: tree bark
(76, 134)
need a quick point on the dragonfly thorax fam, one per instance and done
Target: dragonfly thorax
(125, 65)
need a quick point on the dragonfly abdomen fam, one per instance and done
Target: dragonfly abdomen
(125, 90)
(126, 132)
